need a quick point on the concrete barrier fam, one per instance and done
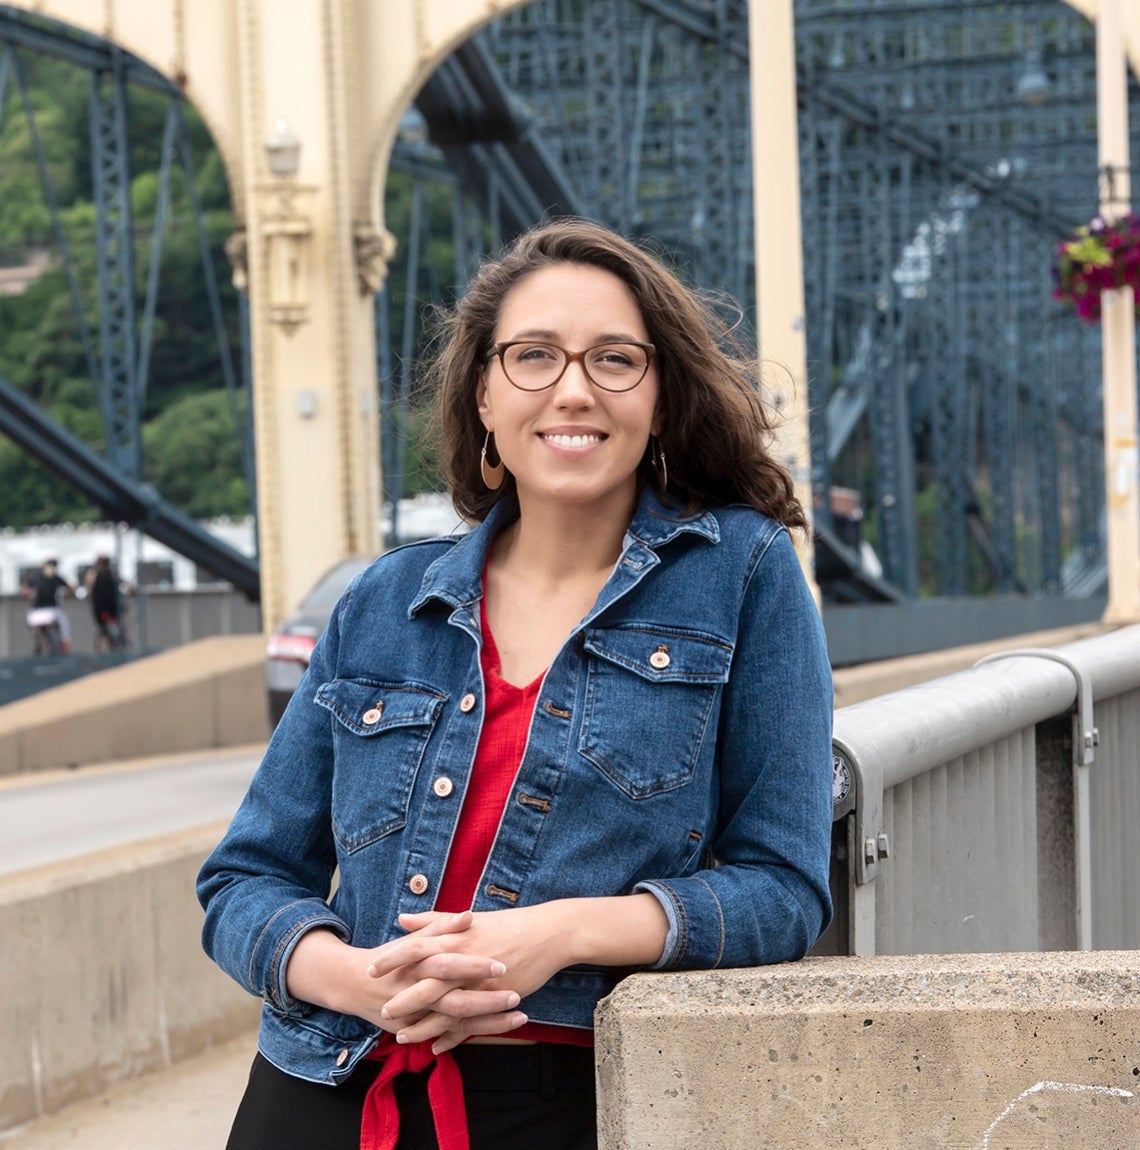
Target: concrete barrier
(206, 694)
(104, 975)
(1017, 1051)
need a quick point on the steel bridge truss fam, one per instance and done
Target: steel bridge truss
(948, 389)
(118, 362)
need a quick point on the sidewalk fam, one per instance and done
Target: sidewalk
(188, 1107)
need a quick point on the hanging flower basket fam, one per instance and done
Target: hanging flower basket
(1097, 258)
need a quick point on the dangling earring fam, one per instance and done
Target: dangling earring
(492, 472)
(657, 459)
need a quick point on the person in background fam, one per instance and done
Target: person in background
(591, 736)
(46, 615)
(106, 599)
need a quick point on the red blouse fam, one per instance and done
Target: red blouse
(506, 723)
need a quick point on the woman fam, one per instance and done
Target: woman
(524, 747)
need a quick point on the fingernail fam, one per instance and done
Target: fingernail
(513, 1000)
(402, 1037)
(372, 971)
(497, 968)
(384, 1012)
(437, 1048)
(518, 1020)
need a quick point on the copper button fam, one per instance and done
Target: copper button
(443, 787)
(467, 703)
(418, 883)
(660, 659)
(372, 716)
(342, 1057)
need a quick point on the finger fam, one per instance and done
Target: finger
(435, 1025)
(424, 918)
(413, 947)
(437, 922)
(489, 1024)
(458, 968)
(443, 998)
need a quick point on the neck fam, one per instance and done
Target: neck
(552, 544)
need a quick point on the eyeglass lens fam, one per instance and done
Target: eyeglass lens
(612, 366)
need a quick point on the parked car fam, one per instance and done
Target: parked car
(291, 645)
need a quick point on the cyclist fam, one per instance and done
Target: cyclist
(46, 616)
(102, 583)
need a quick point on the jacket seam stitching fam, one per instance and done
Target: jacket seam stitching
(720, 919)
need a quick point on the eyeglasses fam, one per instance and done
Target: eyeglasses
(532, 366)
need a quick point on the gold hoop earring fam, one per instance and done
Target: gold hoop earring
(492, 472)
(657, 459)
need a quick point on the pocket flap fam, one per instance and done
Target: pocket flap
(368, 708)
(662, 655)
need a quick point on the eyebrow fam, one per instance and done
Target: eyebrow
(605, 337)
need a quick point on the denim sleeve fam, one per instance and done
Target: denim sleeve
(267, 881)
(767, 898)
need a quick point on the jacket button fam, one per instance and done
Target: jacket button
(660, 658)
(418, 883)
(342, 1057)
(372, 716)
(467, 703)
(443, 787)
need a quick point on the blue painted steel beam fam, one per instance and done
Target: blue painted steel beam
(122, 499)
(114, 240)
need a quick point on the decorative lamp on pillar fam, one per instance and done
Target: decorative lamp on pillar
(287, 230)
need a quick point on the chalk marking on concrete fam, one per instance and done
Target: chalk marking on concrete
(1057, 1087)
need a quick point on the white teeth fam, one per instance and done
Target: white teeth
(573, 440)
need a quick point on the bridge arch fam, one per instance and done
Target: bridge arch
(343, 72)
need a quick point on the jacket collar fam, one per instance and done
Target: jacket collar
(456, 577)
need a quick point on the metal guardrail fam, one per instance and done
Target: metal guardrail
(997, 809)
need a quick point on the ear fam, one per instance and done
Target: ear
(482, 405)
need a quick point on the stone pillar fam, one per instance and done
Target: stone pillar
(311, 324)
(779, 243)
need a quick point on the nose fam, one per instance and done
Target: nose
(574, 390)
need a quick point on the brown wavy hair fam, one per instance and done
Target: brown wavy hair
(715, 428)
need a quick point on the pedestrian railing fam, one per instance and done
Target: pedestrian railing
(997, 809)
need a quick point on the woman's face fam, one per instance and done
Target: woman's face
(574, 443)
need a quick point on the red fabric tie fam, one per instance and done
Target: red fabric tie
(380, 1121)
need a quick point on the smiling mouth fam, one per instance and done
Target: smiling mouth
(572, 440)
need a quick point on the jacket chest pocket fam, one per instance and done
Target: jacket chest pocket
(651, 694)
(379, 735)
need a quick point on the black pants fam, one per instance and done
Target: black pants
(537, 1097)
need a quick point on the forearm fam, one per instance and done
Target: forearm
(322, 971)
(626, 930)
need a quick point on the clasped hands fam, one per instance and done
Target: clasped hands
(446, 980)
(453, 976)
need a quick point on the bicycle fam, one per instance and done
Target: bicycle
(47, 634)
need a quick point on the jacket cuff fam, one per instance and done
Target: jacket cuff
(280, 935)
(695, 939)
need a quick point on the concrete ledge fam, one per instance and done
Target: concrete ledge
(869, 681)
(104, 974)
(1017, 1051)
(206, 694)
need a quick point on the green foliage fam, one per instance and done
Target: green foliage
(192, 456)
(191, 452)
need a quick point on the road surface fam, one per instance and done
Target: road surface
(56, 815)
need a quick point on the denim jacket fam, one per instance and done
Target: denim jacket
(680, 745)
